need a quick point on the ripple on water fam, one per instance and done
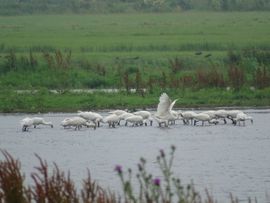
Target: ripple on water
(223, 158)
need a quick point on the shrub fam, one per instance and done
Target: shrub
(210, 78)
(261, 77)
(236, 76)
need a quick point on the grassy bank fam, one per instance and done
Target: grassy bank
(97, 51)
(44, 101)
(198, 54)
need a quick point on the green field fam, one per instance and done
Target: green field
(156, 51)
(96, 36)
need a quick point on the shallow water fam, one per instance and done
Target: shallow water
(221, 158)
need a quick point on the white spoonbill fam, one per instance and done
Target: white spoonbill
(211, 113)
(204, 117)
(112, 120)
(242, 117)
(41, 121)
(146, 116)
(26, 123)
(222, 114)
(135, 120)
(164, 110)
(187, 116)
(91, 116)
(232, 114)
(117, 112)
(77, 122)
(124, 116)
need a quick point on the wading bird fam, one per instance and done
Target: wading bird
(164, 110)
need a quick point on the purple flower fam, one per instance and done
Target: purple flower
(118, 169)
(156, 181)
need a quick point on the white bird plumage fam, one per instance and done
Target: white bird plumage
(76, 122)
(146, 116)
(112, 120)
(204, 117)
(164, 110)
(222, 114)
(124, 116)
(188, 116)
(41, 121)
(91, 116)
(26, 123)
(136, 120)
(232, 114)
(117, 112)
(242, 117)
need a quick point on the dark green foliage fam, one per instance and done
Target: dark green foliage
(210, 78)
(67, 101)
(262, 77)
(236, 76)
(176, 65)
(13, 7)
(10, 63)
(262, 56)
(181, 51)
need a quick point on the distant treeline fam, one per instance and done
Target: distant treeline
(18, 7)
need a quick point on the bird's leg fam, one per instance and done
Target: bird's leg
(126, 123)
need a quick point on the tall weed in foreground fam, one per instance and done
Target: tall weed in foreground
(164, 189)
(12, 189)
(57, 187)
(155, 189)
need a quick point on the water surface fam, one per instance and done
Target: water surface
(222, 158)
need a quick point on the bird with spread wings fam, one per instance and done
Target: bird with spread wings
(164, 112)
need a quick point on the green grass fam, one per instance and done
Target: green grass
(137, 32)
(44, 101)
(126, 43)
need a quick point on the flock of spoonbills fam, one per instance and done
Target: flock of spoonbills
(164, 116)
